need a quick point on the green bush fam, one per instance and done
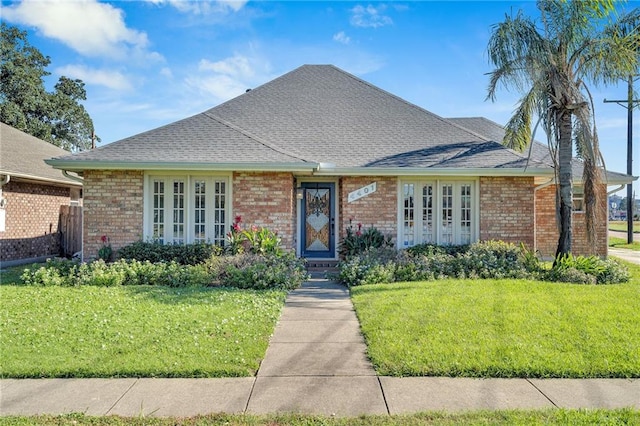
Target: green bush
(183, 254)
(489, 259)
(253, 271)
(496, 259)
(121, 272)
(358, 241)
(374, 265)
(253, 240)
(587, 270)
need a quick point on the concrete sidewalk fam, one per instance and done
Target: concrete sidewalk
(316, 363)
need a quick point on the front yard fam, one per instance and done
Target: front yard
(502, 328)
(134, 331)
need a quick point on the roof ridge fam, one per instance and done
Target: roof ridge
(252, 136)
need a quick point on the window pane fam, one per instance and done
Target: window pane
(158, 211)
(199, 225)
(465, 214)
(219, 224)
(408, 215)
(427, 214)
(447, 215)
(178, 212)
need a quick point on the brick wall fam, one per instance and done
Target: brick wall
(547, 228)
(507, 209)
(113, 206)
(379, 209)
(266, 199)
(31, 226)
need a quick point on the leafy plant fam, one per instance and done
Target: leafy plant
(105, 252)
(256, 240)
(357, 241)
(183, 254)
(597, 271)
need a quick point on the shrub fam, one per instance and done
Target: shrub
(496, 259)
(432, 249)
(374, 265)
(597, 271)
(490, 259)
(255, 240)
(358, 241)
(154, 252)
(121, 272)
(249, 270)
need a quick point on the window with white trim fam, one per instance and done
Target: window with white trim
(437, 212)
(187, 209)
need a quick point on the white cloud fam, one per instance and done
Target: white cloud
(111, 79)
(166, 72)
(341, 37)
(203, 7)
(89, 27)
(229, 77)
(370, 16)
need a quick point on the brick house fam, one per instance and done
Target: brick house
(32, 194)
(306, 155)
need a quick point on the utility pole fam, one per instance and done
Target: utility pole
(630, 104)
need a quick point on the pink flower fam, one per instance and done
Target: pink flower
(254, 228)
(236, 227)
(358, 233)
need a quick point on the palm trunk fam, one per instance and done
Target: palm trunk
(565, 181)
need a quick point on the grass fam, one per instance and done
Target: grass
(502, 328)
(134, 331)
(621, 225)
(498, 417)
(622, 243)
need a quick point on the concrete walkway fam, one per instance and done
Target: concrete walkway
(316, 363)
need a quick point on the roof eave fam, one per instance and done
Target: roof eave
(40, 179)
(77, 165)
(431, 171)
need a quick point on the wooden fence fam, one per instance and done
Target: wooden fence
(70, 229)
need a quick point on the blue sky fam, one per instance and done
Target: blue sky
(148, 63)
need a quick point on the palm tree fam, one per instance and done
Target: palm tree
(550, 62)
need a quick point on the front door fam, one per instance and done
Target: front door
(317, 220)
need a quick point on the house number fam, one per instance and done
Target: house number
(362, 192)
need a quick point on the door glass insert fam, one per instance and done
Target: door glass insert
(317, 221)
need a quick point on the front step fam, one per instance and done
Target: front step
(322, 268)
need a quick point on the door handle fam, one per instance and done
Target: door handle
(333, 223)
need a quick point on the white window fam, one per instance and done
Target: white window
(186, 209)
(437, 212)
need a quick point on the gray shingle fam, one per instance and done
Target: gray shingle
(315, 114)
(23, 155)
(539, 151)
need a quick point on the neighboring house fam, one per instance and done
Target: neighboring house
(31, 194)
(306, 155)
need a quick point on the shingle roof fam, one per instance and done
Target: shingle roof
(22, 155)
(539, 151)
(313, 114)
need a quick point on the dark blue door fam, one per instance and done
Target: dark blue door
(318, 230)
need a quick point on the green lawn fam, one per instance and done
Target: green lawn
(621, 225)
(134, 331)
(498, 417)
(622, 243)
(502, 328)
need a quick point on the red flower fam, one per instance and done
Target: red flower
(236, 227)
(238, 219)
(104, 239)
(359, 226)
